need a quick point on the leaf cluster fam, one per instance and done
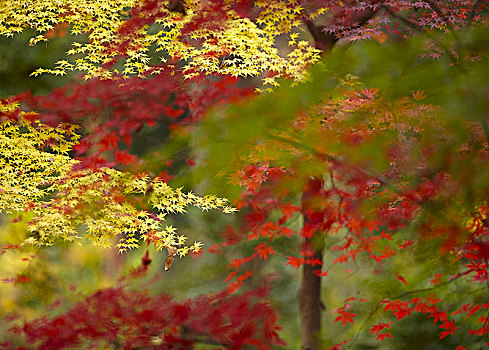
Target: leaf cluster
(37, 175)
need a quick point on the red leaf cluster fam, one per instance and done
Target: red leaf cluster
(110, 112)
(132, 319)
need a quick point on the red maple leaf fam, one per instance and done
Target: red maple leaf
(264, 250)
(406, 244)
(341, 259)
(473, 310)
(289, 209)
(124, 157)
(450, 328)
(379, 327)
(344, 316)
(294, 262)
(320, 273)
(437, 279)
(382, 336)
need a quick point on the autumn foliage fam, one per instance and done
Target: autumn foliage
(372, 159)
(130, 319)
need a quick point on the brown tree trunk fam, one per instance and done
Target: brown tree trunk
(310, 291)
(310, 307)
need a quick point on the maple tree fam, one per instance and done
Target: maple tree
(379, 161)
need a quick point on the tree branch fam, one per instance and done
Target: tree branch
(404, 20)
(177, 6)
(377, 307)
(420, 30)
(325, 41)
(471, 15)
(325, 156)
(435, 8)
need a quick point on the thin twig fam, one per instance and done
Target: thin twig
(331, 176)
(325, 156)
(379, 303)
(427, 289)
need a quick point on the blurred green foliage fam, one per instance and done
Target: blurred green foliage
(456, 83)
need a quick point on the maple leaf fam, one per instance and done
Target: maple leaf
(264, 251)
(320, 273)
(295, 262)
(418, 95)
(400, 309)
(244, 277)
(437, 279)
(439, 316)
(339, 346)
(383, 336)
(379, 327)
(450, 328)
(124, 157)
(480, 331)
(406, 244)
(344, 316)
(483, 319)
(473, 310)
(110, 140)
(289, 209)
(343, 258)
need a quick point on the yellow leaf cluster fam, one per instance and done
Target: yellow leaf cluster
(236, 45)
(37, 175)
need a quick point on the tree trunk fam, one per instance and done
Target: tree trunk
(310, 307)
(310, 291)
